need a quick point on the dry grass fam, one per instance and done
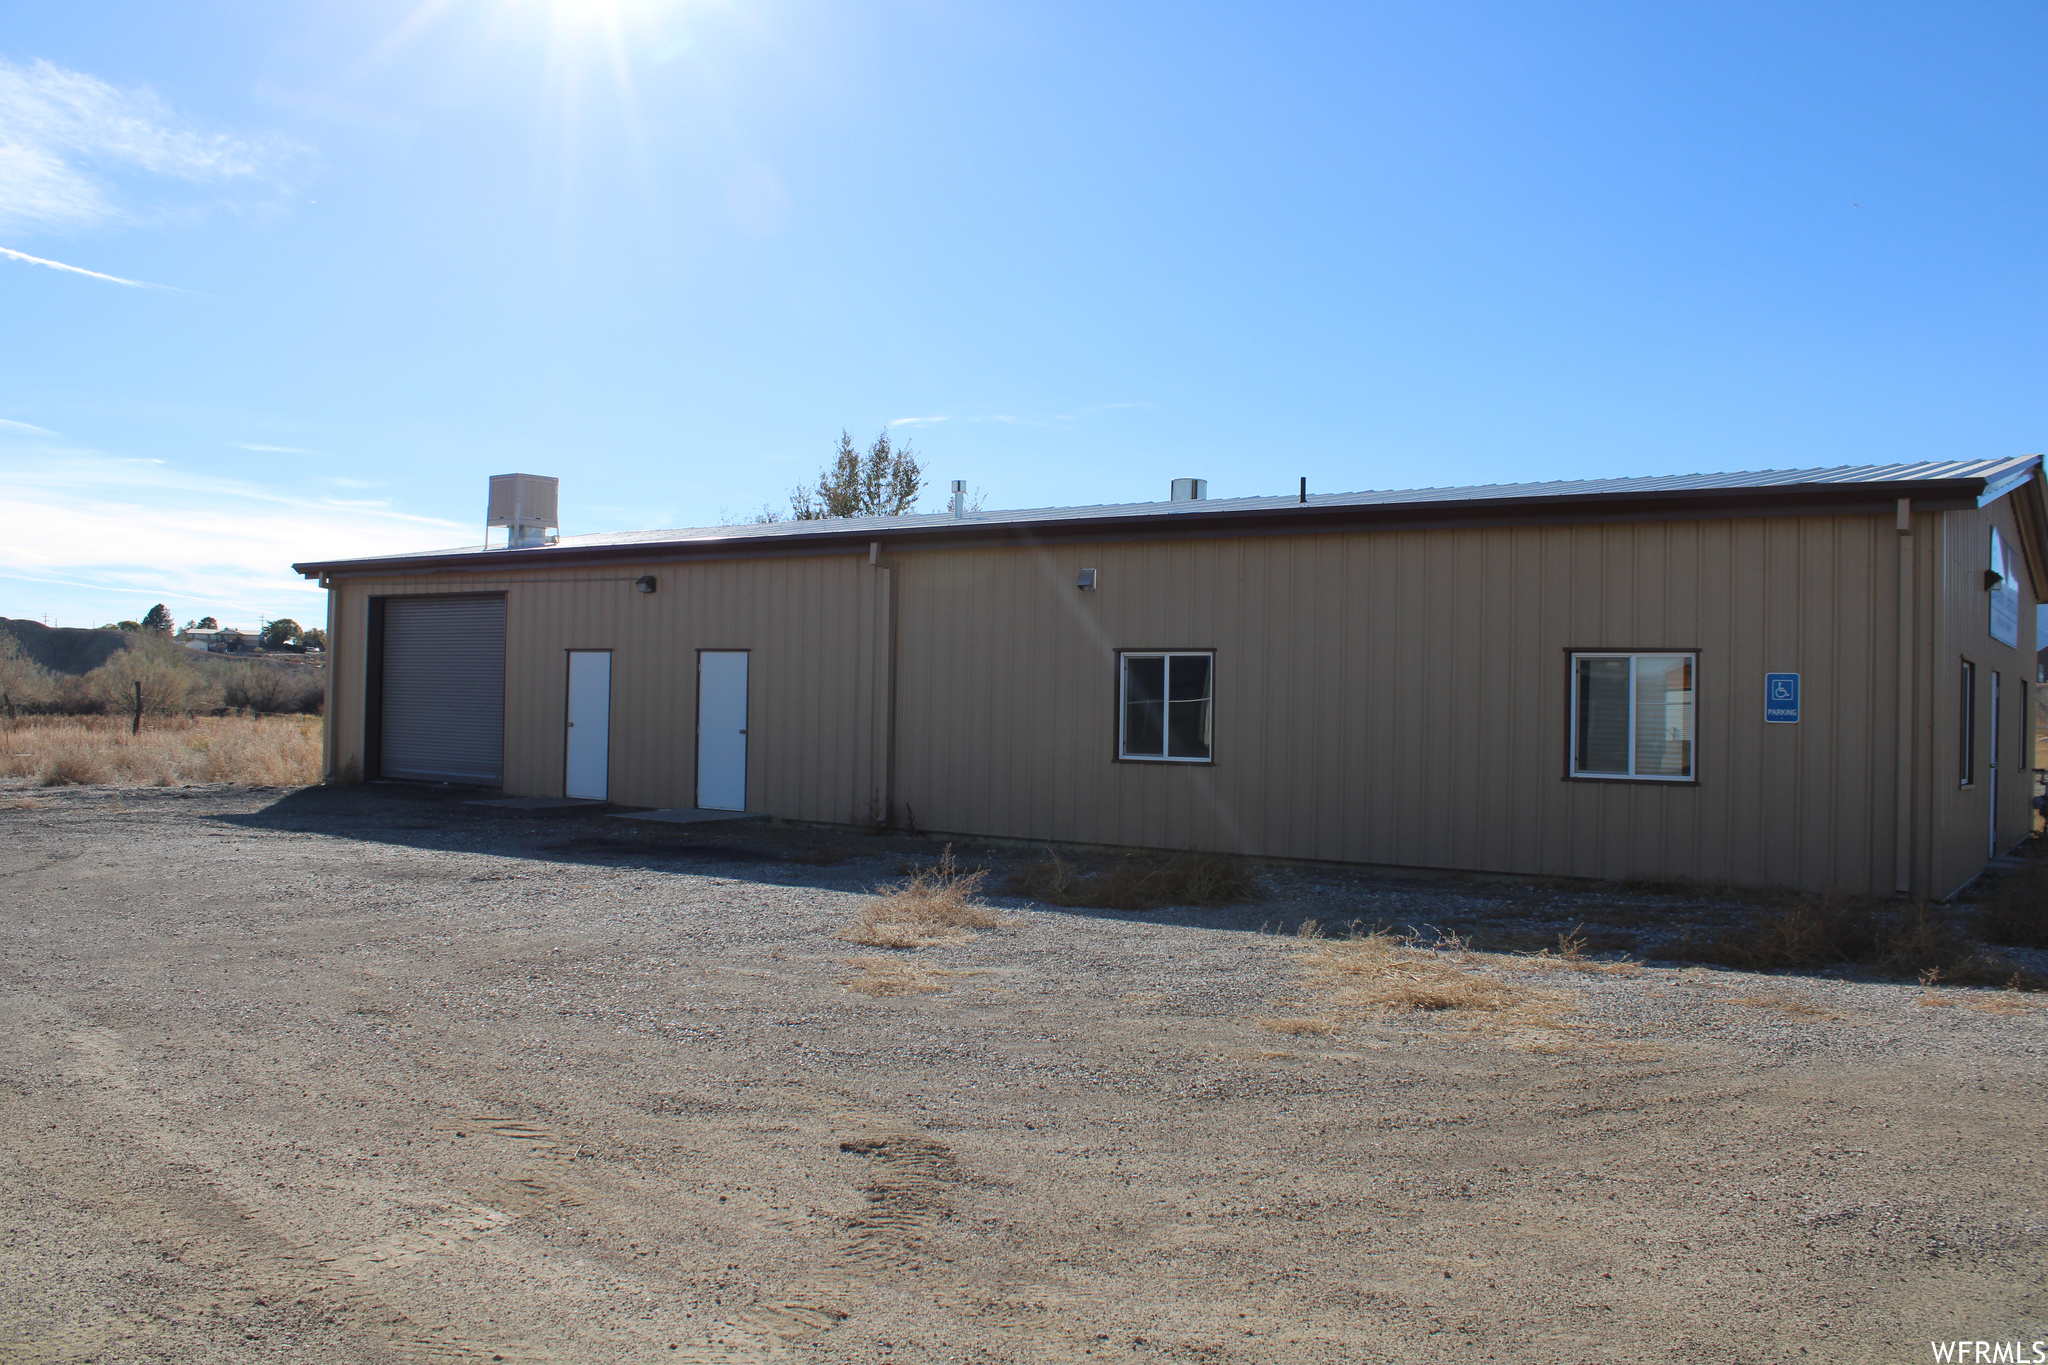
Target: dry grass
(57, 751)
(2007, 1002)
(1136, 883)
(1382, 974)
(1780, 1003)
(935, 905)
(1801, 932)
(884, 976)
(1570, 956)
(1997, 1002)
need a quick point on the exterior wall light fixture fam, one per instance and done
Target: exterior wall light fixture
(1087, 580)
(644, 583)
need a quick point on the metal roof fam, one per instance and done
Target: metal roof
(1954, 481)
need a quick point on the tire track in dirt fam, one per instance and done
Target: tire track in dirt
(533, 1184)
(909, 1189)
(206, 1227)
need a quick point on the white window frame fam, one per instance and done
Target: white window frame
(1123, 710)
(1571, 753)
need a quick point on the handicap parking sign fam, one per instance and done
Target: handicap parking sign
(1781, 698)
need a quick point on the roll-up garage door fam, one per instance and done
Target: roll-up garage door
(443, 713)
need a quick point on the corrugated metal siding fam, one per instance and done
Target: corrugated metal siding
(1391, 697)
(1399, 698)
(1960, 827)
(443, 697)
(806, 621)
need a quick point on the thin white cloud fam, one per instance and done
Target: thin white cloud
(1047, 420)
(90, 531)
(10, 425)
(13, 255)
(66, 137)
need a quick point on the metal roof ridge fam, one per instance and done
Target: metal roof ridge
(1702, 482)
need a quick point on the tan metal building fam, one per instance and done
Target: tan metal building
(1817, 678)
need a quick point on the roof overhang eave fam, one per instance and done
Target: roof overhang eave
(1660, 505)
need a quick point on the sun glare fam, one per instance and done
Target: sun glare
(606, 15)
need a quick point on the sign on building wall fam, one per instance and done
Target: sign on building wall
(1781, 698)
(2005, 598)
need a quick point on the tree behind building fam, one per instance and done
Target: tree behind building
(884, 482)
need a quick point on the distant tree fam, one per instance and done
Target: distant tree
(132, 626)
(312, 638)
(172, 680)
(883, 483)
(158, 620)
(23, 681)
(281, 633)
(207, 623)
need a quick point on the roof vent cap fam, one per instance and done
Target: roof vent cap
(1190, 490)
(525, 505)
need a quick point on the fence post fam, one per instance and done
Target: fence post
(10, 706)
(137, 728)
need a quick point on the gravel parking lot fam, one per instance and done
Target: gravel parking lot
(369, 1074)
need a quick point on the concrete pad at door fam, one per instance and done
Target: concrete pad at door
(539, 803)
(689, 816)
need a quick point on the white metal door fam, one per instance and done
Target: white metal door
(722, 729)
(1997, 711)
(590, 725)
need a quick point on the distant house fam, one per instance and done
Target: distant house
(1813, 678)
(226, 640)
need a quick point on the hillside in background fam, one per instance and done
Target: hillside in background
(63, 649)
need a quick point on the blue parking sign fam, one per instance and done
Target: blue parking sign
(1781, 698)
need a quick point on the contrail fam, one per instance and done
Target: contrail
(77, 270)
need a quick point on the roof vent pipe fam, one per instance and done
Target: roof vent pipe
(959, 498)
(525, 505)
(1190, 490)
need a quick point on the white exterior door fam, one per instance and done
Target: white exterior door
(722, 729)
(589, 743)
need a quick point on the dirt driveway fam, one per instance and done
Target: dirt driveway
(372, 1075)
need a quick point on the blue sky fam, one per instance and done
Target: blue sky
(667, 250)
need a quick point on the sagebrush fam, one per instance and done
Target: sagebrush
(174, 680)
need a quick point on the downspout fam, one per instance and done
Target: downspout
(327, 700)
(882, 759)
(1903, 871)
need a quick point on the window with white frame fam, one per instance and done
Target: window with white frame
(1164, 703)
(1632, 716)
